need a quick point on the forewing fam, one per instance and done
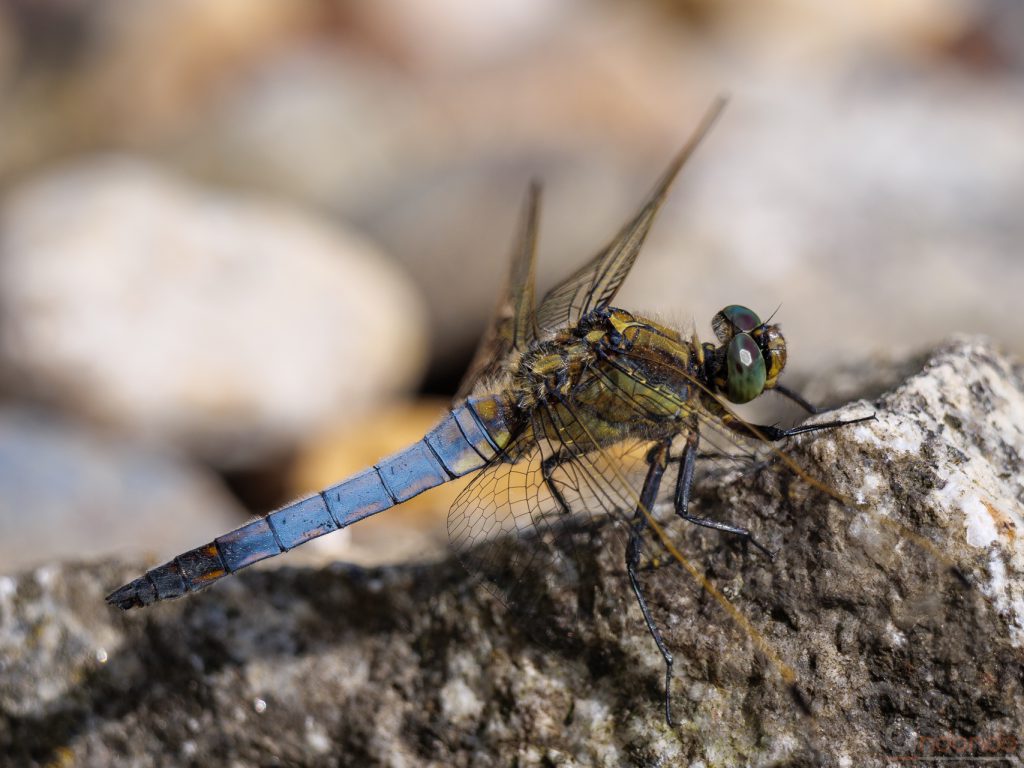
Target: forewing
(512, 327)
(595, 284)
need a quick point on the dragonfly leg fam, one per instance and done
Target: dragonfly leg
(797, 398)
(657, 459)
(684, 484)
(771, 433)
(547, 467)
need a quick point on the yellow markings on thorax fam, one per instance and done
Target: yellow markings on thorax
(622, 373)
(548, 365)
(658, 401)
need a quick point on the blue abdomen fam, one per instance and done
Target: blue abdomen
(463, 441)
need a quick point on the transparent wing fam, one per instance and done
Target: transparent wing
(595, 284)
(554, 497)
(512, 327)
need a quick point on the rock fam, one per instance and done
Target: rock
(897, 658)
(67, 493)
(226, 324)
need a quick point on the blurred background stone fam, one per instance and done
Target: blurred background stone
(860, 164)
(67, 493)
(229, 325)
(855, 132)
(434, 165)
(870, 214)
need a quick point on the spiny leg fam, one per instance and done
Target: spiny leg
(657, 460)
(771, 433)
(684, 484)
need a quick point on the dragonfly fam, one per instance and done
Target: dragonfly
(571, 413)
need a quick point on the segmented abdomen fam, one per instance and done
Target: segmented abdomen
(464, 440)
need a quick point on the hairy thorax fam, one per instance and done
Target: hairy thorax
(613, 376)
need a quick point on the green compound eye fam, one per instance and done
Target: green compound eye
(743, 319)
(745, 370)
(732, 320)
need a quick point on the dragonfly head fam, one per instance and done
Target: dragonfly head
(752, 354)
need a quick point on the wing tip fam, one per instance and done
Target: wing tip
(707, 122)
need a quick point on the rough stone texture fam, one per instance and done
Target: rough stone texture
(893, 653)
(224, 323)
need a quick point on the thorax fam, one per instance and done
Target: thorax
(626, 376)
